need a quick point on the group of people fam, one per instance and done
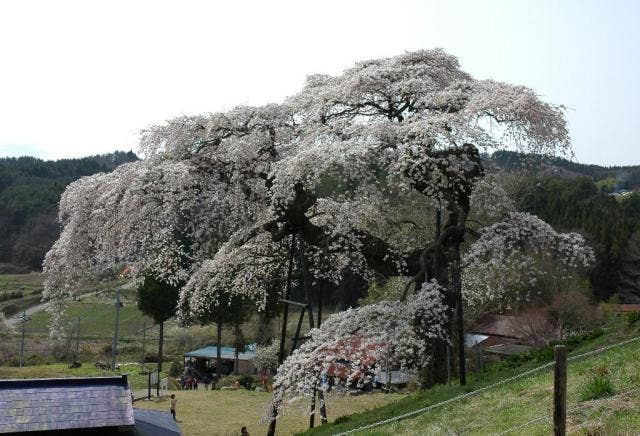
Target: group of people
(189, 383)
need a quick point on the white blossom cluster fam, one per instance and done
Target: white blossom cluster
(266, 356)
(489, 201)
(357, 342)
(249, 271)
(511, 256)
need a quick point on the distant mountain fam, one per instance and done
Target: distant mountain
(30, 190)
(608, 179)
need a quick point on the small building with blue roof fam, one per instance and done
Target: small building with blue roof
(206, 357)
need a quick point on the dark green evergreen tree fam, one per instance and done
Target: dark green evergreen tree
(158, 300)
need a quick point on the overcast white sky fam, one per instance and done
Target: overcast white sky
(83, 77)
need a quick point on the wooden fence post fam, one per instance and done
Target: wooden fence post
(560, 391)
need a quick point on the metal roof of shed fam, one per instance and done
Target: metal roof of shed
(64, 404)
(473, 339)
(507, 349)
(210, 352)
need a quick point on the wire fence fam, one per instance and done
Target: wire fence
(549, 418)
(537, 419)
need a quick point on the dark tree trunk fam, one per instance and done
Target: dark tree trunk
(323, 407)
(312, 415)
(306, 282)
(319, 308)
(444, 266)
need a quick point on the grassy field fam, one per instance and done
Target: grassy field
(19, 291)
(222, 412)
(137, 380)
(97, 317)
(518, 402)
(29, 283)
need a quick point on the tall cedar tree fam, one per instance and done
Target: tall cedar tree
(158, 300)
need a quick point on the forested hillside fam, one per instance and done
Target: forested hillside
(585, 199)
(608, 179)
(30, 189)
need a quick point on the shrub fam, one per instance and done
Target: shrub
(632, 317)
(176, 368)
(151, 358)
(10, 295)
(246, 381)
(11, 309)
(598, 386)
(341, 419)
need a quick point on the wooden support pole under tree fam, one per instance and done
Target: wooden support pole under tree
(319, 307)
(307, 298)
(457, 285)
(285, 310)
(283, 333)
(560, 391)
(296, 337)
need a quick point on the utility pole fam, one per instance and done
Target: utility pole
(78, 339)
(114, 348)
(23, 320)
(144, 340)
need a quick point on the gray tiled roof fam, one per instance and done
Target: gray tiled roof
(59, 404)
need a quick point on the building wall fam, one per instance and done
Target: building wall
(246, 367)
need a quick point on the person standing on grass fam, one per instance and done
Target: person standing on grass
(172, 406)
(244, 432)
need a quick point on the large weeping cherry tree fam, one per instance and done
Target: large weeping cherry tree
(329, 167)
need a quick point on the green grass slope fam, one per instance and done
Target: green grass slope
(511, 406)
(97, 319)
